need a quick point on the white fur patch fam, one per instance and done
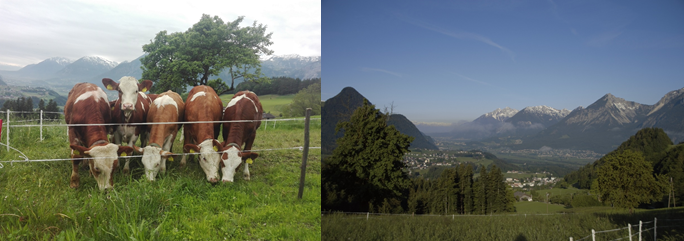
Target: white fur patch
(165, 100)
(151, 159)
(104, 157)
(210, 164)
(97, 94)
(235, 100)
(201, 93)
(230, 164)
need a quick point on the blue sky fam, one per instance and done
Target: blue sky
(444, 61)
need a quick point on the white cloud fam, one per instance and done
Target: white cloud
(37, 30)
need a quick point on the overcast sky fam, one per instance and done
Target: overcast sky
(442, 61)
(32, 31)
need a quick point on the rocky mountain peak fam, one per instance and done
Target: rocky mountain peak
(501, 114)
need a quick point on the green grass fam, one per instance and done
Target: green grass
(36, 202)
(537, 207)
(499, 227)
(270, 103)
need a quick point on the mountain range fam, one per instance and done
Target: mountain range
(599, 127)
(340, 108)
(58, 71)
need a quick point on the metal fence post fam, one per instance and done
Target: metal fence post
(593, 235)
(629, 226)
(655, 228)
(305, 153)
(640, 223)
(7, 131)
(41, 125)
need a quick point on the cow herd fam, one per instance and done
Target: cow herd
(136, 113)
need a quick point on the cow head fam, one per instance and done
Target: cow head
(128, 88)
(152, 158)
(104, 161)
(209, 157)
(231, 158)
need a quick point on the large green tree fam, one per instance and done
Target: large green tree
(310, 97)
(626, 180)
(192, 57)
(365, 171)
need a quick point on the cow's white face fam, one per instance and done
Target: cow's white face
(105, 159)
(128, 93)
(231, 160)
(151, 159)
(209, 160)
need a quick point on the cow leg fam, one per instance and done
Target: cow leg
(75, 180)
(248, 146)
(187, 140)
(131, 143)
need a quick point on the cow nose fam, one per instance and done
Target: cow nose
(127, 106)
(213, 180)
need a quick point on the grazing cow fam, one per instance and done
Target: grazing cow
(87, 104)
(203, 104)
(131, 107)
(244, 105)
(167, 107)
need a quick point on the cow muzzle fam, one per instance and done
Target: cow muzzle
(127, 106)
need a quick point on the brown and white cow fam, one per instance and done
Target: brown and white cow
(203, 104)
(244, 105)
(87, 104)
(167, 107)
(131, 107)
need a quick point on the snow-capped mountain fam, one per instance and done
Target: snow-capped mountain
(295, 66)
(85, 69)
(124, 69)
(538, 117)
(45, 68)
(498, 115)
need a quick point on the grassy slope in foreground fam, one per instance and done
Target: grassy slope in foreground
(499, 227)
(37, 203)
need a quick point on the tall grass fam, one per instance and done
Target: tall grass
(36, 202)
(498, 227)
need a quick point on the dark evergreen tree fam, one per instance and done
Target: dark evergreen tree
(366, 169)
(481, 192)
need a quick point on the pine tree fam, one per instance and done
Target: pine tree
(366, 168)
(481, 192)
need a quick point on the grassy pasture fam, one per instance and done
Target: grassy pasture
(36, 202)
(500, 227)
(270, 103)
(537, 207)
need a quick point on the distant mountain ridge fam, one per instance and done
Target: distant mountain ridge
(537, 117)
(609, 121)
(59, 71)
(342, 106)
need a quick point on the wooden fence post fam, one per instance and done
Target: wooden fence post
(570, 238)
(305, 154)
(593, 235)
(629, 226)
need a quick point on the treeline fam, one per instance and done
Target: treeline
(277, 86)
(656, 148)
(23, 104)
(457, 192)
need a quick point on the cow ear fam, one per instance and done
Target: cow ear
(110, 84)
(217, 145)
(145, 85)
(190, 148)
(125, 151)
(249, 155)
(138, 149)
(77, 150)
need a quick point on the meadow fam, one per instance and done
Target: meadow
(36, 202)
(271, 103)
(517, 227)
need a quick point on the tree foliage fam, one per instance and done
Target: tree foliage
(24, 105)
(192, 57)
(310, 97)
(365, 171)
(277, 86)
(626, 180)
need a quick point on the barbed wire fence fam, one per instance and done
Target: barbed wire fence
(25, 159)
